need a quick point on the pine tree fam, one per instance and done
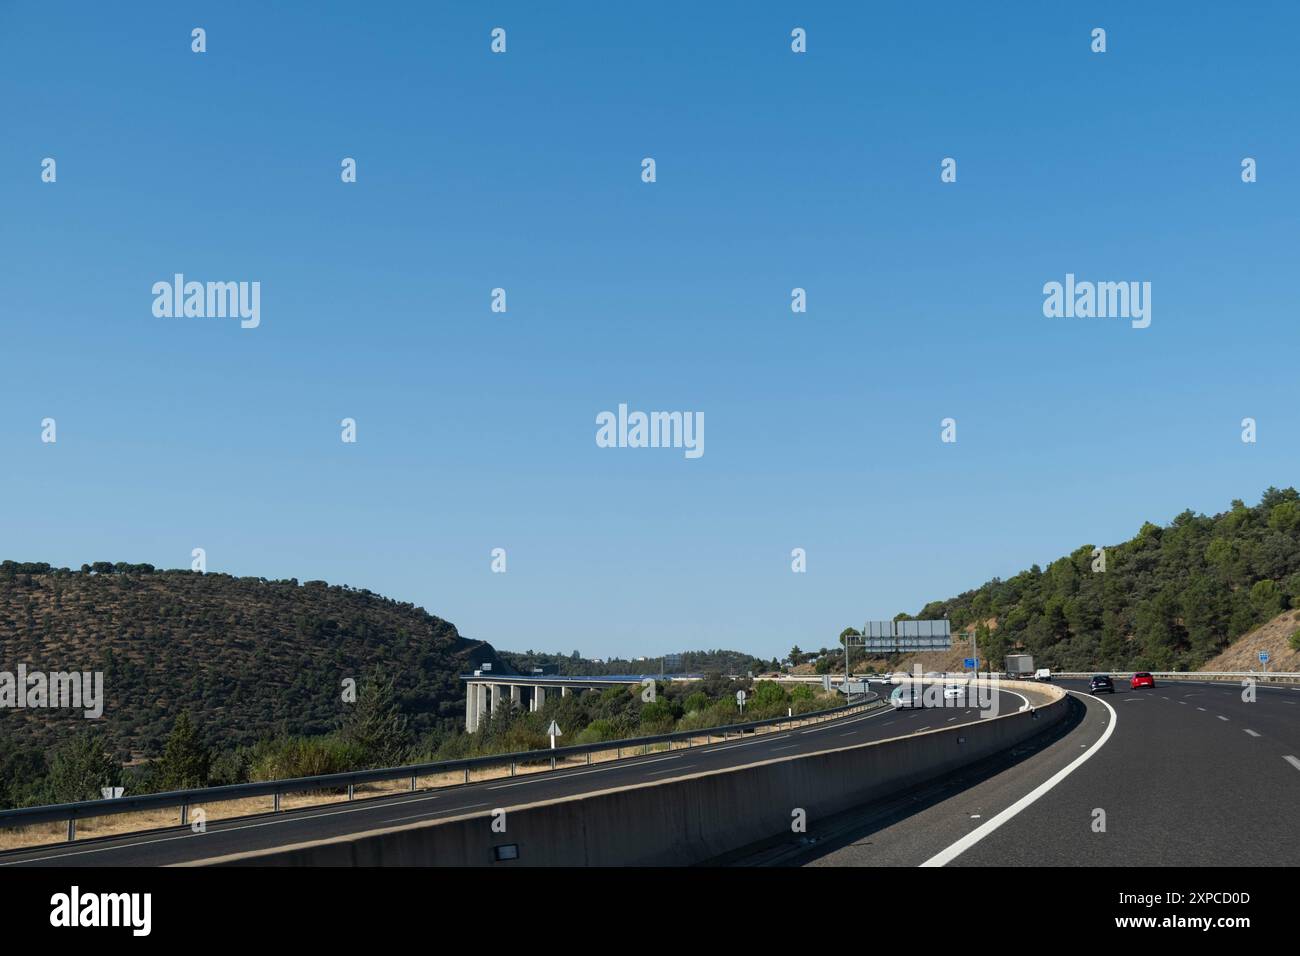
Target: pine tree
(185, 761)
(376, 724)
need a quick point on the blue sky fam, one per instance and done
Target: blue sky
(477, 430)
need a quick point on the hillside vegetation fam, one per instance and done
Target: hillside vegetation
(1170, 598)
(247, 658)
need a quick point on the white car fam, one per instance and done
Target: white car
(906, 697)
(954, 692)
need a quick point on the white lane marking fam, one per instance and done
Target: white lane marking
(551, 775)
(848, 733)
(1182, 702)
(446, 810)
(1201, 709)
(1017, 694)
(1252, 733)
(926, 727)
(949, 854)
(671, 770)
(747, 743)
(786, 747)
(1293, 761)
(950, 720)
(1220, 716)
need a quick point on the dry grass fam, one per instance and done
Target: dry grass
(1243, 654)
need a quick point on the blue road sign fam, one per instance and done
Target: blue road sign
(1263, 657)
(972, 662)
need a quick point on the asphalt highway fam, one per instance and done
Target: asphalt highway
(178, 845)
(1184, 774)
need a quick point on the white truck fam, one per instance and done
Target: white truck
(1042, 674)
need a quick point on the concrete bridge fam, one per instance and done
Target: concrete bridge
(485, 692)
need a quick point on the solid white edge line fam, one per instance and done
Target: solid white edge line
(947, 855)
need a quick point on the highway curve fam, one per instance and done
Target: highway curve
(1187, 774)
(179, 845)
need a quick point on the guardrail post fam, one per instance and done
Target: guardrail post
(512, 768)
(467, 774)
(413, 779)
(277, 801)
(620, 754)
(72, 829)
(351, 788)
(185, 814)
(552, 763)
(588, 758)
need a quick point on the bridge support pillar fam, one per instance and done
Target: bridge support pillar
(496, 697)
(514, 695)
(471, 707)
(539, 697)
(564, 691)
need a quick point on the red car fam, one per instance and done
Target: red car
(1142, 680)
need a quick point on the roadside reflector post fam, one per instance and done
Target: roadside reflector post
(413, 779)
(185, 814)
(277, 801)
(72, 829)
(351, 788)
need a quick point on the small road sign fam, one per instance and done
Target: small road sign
(971, 663)
(554, 731)
(740, 699)
(1263, 657)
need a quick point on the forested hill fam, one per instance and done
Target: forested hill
(1169, 598)
(247, 657)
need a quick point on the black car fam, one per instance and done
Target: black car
(1102, 683)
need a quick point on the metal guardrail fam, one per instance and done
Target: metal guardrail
(184, 799)
(1280, 677)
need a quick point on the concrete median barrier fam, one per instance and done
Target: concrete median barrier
(686, 819)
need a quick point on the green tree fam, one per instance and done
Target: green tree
(185, 760)
(696, 701)
(376, 725)
(769, 694)
(81, 767)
